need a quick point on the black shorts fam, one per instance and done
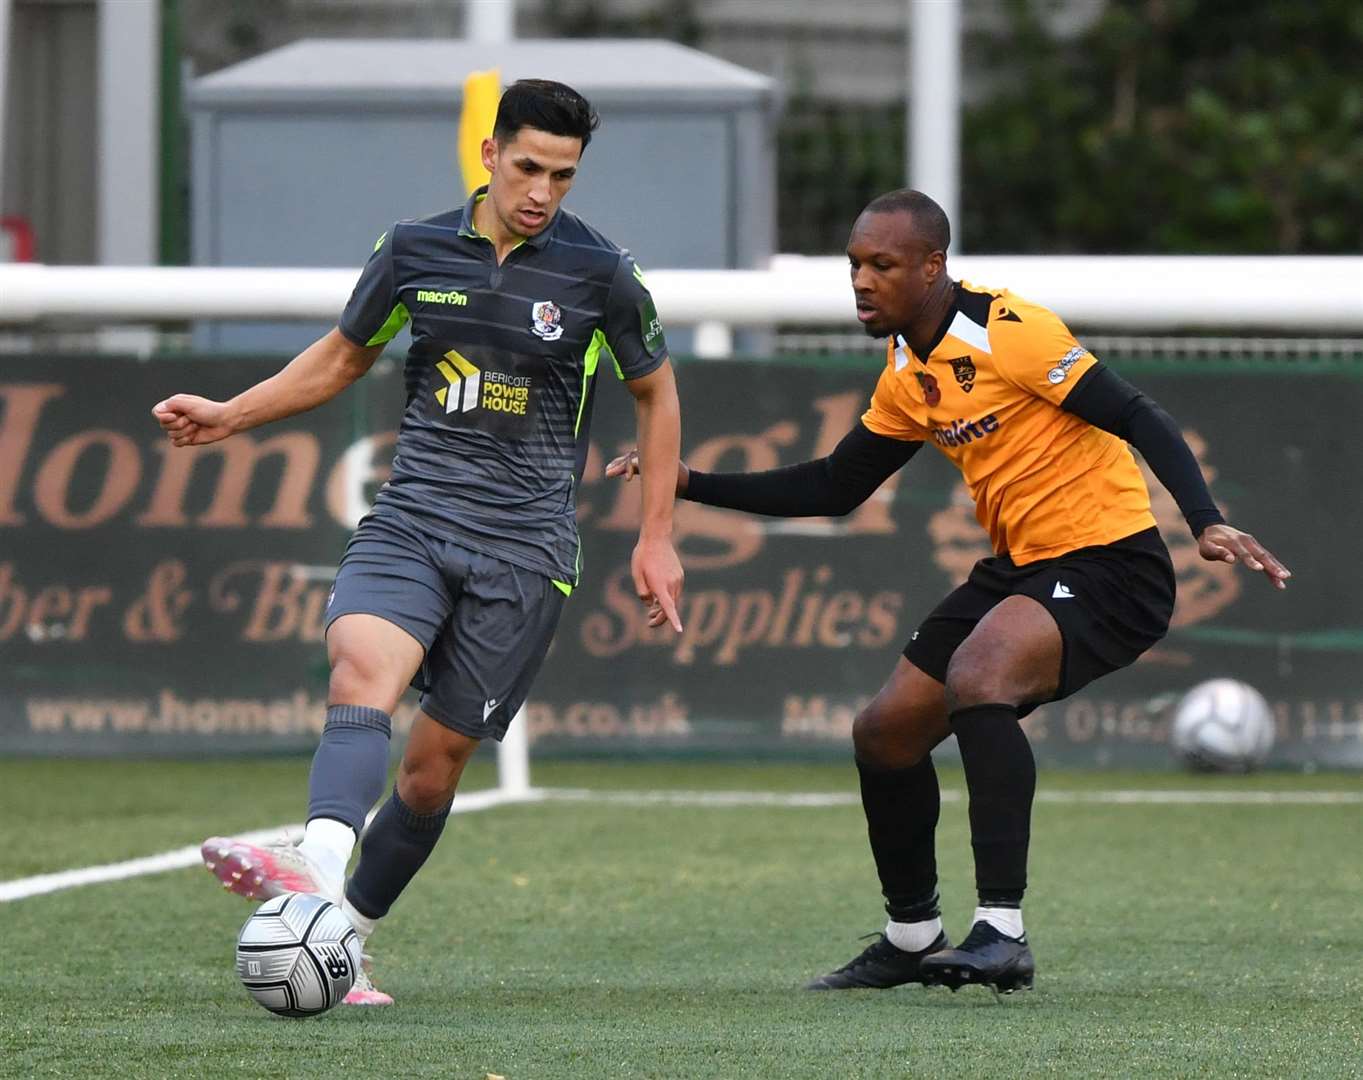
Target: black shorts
(485, 624)
(1111, 602)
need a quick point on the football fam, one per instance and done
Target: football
(1222, 725)
(297, 955)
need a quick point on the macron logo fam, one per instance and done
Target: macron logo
(1061, 592)
(430, 296)
(489, 707)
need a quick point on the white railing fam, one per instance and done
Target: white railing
(1306, 295)
(1279, 294)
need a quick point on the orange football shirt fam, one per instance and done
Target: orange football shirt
(988, 397)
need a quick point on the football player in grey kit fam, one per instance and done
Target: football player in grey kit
(455, 580)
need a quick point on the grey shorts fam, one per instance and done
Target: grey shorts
(485, 624)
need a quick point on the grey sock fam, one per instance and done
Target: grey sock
(395, 846)
(351, 764)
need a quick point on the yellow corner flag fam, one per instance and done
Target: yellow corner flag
(482, 89)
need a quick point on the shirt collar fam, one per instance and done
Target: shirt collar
(469, 229)
(942, 328)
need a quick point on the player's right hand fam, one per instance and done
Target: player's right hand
(627, 465)
(192, 421)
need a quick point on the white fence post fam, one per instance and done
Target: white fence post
(513, 757)
(713, 340)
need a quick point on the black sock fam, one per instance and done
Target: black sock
(395, 846)
(351, 764)
(902, 806)
(1000, 773)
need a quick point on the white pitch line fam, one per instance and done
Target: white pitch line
(705, 798)
(1134, 796)
(179, 858)
(1142, 796)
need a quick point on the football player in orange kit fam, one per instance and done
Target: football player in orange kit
(1080, 583)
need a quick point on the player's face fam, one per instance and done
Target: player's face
(530, 174)
(892, 271)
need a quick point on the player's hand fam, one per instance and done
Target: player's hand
(627, 465)
(657, 574)
(1221, 543)
(192, 421)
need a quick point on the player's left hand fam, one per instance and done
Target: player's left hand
(657, 574)
(1221, 543)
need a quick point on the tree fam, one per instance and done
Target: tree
(1171, 126)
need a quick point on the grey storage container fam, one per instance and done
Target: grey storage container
(303, 156)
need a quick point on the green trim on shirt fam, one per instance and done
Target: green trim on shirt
(397, 319)
(589, 361)
(470, 229)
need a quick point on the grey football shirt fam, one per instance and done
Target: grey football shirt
(501, 373)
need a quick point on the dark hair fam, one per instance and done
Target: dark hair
(929, 219)
(546, 106)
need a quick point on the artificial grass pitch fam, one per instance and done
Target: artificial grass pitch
(606, 940)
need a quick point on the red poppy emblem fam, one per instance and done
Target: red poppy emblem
(932, 393)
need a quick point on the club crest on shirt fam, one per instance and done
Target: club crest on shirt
(546, 320)
(932, 393)
(964, 369)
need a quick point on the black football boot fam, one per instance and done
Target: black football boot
(987, 956)
(879, 966)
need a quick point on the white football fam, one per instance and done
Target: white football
(1222, 725)
(297, 955)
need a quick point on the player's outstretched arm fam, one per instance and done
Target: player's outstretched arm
(654, 565)
(831, 486)
(317, 374)
(1107, 401)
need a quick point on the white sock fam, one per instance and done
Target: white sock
(363, 924)
(1006, 920)
(328, 844)
(913, 936)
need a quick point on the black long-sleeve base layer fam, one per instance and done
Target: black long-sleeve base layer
(828, 486)
(1107, 401)
(862, 461)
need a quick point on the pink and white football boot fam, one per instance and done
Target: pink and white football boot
(262, 871)
(364, 992)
